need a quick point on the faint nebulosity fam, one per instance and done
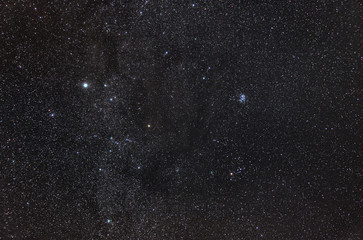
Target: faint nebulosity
(167, 119)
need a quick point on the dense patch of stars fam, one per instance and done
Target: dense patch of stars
(165, 120)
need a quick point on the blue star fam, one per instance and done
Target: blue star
(85, 85)
(242, 98)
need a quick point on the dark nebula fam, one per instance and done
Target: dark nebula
(167, 119)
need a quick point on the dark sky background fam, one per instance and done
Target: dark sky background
(181, 119)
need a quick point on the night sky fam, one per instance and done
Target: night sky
(166, 119)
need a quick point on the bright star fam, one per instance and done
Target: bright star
(242, 98)
(85, 85)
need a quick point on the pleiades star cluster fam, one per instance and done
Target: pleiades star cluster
(166, 119)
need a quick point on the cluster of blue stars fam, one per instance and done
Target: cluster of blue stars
(242, 98)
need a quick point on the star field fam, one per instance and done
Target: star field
(181, 120)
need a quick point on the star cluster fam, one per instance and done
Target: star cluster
(171, 120)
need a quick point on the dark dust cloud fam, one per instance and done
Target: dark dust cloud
(171, 119)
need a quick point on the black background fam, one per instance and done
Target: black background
(158, 146)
